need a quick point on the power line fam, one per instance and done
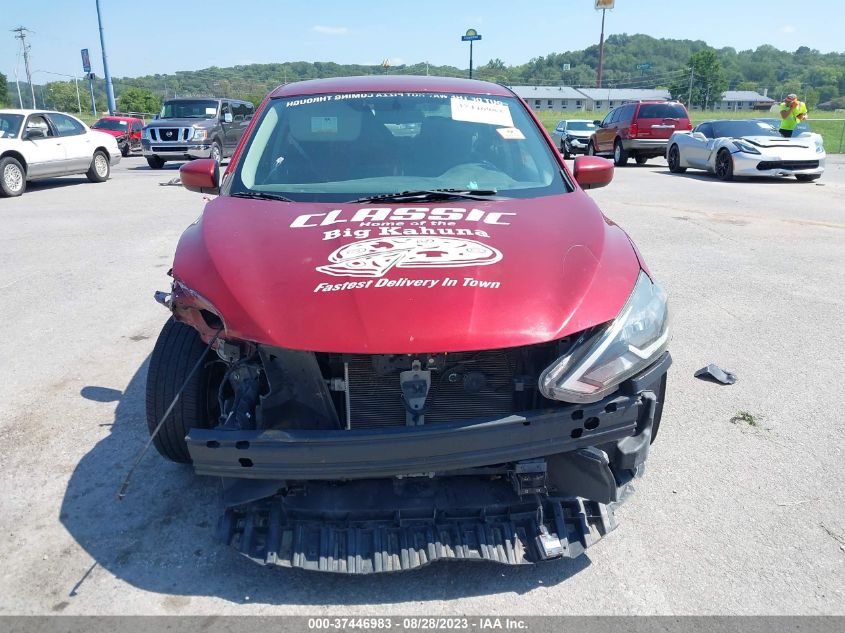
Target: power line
(21, 35)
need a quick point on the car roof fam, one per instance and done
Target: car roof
(391, 83)
(26, 111)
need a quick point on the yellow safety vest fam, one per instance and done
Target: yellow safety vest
(790, 122)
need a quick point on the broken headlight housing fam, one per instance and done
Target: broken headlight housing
(595, 366)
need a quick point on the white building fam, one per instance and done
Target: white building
(738, 100)
(552, 98)
(603, 99)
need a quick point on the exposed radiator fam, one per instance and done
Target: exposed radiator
(376, 400)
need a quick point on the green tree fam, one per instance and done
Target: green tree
(61, 95)
(138, 100)
(708, 83)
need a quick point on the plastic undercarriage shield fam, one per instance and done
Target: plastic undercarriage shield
(505, 529)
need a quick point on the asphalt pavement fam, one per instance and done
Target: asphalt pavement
(740, 511)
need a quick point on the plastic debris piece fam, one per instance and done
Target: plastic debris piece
(714, 373)
(173, 182)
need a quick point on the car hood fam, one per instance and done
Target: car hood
(404, 279)
(114, 133)
(779, 141)
(180, 122)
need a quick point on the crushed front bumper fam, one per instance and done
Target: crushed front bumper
(623, 418)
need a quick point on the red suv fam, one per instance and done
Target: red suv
(640, 130)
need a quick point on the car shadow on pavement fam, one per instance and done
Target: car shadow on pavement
(35, 186)
(703, 175)
(160, 538)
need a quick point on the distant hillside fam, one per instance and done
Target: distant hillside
(815, 76)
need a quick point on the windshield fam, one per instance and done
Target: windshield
(111, 124)
(340, 147)
(803, 126)
(10, 125)
(189, 109)
(580, 126)
(735, 129)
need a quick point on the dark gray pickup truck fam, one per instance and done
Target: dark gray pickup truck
(191, 128)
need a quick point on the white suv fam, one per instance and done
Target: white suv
(38, 144)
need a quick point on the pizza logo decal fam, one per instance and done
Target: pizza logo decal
(375, 257)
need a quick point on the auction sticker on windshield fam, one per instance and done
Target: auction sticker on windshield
(482, 110)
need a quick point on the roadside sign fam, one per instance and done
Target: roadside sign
(566, 66)
(471, 36)
(86, 61)
(643, 66)
(604, 4)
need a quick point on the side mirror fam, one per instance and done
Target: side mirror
(35, 132)
(227, 117)
(592, 172)
(597, 123)
(202, 176)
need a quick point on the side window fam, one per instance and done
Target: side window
(224, 108)
(250, 110)
(608, 118)
(40, 122)
(627, 113)
(706, 129)
(239, 111)
(66, 126)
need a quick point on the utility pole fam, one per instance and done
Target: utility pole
(109, 88)
(689, 97)
(601, 50)
(21, 35)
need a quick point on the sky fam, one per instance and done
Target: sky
(158, 36)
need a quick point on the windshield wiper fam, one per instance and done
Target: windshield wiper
(260, 195)
(430, 194)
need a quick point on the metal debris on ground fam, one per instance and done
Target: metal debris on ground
(714, 373)
(173, 182)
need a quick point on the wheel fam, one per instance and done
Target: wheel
(100, 169)
(124, 151)
(674, 160)
(641, 160)
(155, 162)
(724, 165)
(620, 156)
(591, 150)
(216, 152)
(565, 151)
(807, 177)
(12, 177)
(178, 348)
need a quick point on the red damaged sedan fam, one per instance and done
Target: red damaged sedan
(402, 332)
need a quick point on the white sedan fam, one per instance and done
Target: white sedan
(746, 148)
(38, 144)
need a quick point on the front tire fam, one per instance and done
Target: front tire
(620, 156)
(591, 149)
(641, 160)
(674, 160)
(100, 168)
(807, 177)
(724, 166)
(565, 152)
(178, 348)
(155, 162)
(216, 152)
(12, 177)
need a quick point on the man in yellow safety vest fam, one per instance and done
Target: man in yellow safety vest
(792, 112)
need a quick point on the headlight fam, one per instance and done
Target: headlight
(819, 145)
(742, 146)
(199, 135)
(633, 341)
(145, 133)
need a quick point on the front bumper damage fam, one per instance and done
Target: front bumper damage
(516, 490)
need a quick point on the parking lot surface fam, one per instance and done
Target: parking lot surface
(740, 511)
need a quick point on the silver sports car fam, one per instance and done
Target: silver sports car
(732, 148)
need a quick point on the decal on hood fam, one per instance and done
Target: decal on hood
(375, 257)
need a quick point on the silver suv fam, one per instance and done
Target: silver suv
(195, 128)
